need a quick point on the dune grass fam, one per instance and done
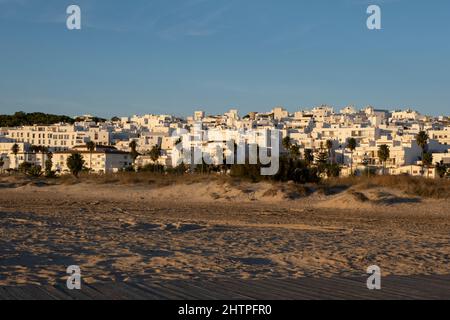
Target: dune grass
(414, 186)
(143, 178)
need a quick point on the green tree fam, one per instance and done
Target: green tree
(15, 150)
(155, 153)
(2, 163)
(308, 156)
(133, 152)
(295, 151)
(383, 154)
(75, 163)
(333, 170)
(287, 143)
(43, 150)
(90, 146)
(49, 173)
(422, 140)
(34, 149)
(322, 157)
(351, 145)
(24, 167)
(365, 162)
(441, 169)
(30, 169)
(28, 119)
(329, 145)
(34, 171)
(322, 160)
(427, 161)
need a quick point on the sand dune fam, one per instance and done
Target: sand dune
(184, 231)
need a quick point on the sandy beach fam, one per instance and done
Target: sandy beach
(118, 232)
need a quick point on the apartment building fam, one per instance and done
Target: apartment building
(415, 171)
(56, 137)
(401, 153)
(13, 161)
(443, 136)
(406, 115)
(104, 159)
(309, 129)
(60, 136)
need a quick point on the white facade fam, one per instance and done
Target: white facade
(102, 160)
(309, 129)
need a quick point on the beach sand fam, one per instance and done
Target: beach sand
(215, 230)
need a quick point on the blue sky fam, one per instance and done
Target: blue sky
(175, 56)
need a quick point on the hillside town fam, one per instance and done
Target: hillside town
(401, 142)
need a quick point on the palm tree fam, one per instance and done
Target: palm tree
(422, 140)
(351, 145)
(295, 151)
(441, 169)
(44, 151)
(75, 164)
(308, 156)
(133, 147)
(155, 153)
(427, 161)
(329, 145)
(90, 146)
(383, 154)
(35, 149)
(48, 166)
(365, 163)
(287, 143)
(15, 151)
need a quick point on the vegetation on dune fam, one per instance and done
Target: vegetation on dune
(414, 186)
(30, 169)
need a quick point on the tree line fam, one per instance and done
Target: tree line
(39, 118)
(28, 119)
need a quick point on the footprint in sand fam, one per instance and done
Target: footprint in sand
(180, 227)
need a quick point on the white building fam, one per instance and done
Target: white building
(13, 161)
(102, 160)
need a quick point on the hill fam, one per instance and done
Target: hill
(28, 119)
